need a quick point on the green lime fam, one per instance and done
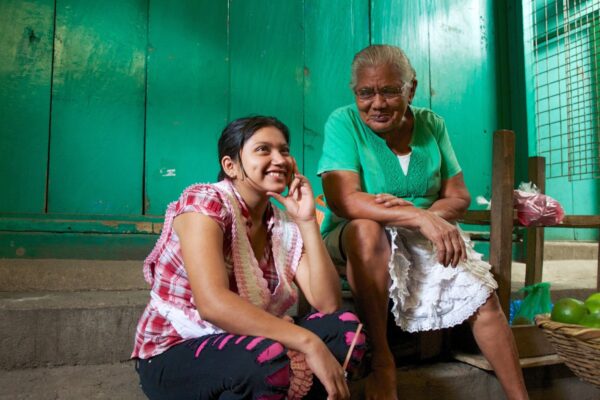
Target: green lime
(593, 297)
(593, 306)
(568, 311)
(591, 320)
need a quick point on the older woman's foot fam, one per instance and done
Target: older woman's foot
(380, 384)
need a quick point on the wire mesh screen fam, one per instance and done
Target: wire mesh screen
(566, 47)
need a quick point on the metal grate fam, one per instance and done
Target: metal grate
(566, 47)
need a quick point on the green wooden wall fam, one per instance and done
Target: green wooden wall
(109, 109)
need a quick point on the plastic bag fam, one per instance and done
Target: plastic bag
(537, 301)
(534, 208)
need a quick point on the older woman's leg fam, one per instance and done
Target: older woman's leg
(368, 251)
(495, 339)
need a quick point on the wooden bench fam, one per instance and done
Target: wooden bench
(533, 348)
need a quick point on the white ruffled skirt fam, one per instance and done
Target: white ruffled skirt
(425, 294)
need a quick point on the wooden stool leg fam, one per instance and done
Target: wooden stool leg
(503, 178)
(535, 236)
(598, 269)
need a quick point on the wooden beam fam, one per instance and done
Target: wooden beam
(503, 169)
(535, 235)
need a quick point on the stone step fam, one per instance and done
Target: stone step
(30, 275)
(66, 328)
(27, 275)
(441, 380)
(570, 250)
(57, 325)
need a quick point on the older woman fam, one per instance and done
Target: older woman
(394, 189)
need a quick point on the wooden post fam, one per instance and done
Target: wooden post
(501, 219)
(535, 235)
(598, 268)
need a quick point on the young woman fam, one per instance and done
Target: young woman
(224, 274)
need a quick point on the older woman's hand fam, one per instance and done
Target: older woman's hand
(446, 238)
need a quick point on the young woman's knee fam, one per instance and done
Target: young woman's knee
(338, 330)
(272, 367)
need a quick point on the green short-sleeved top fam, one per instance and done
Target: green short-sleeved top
(350, 145)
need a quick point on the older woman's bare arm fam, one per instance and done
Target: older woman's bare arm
(454, 199)
(346, 199)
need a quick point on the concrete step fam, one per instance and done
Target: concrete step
(570, 250)
(88, 309)
(441, 380)
(27, 275)
(64, 328)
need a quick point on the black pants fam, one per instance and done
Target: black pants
(233, 367)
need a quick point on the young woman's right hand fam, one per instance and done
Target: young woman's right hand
(329, 371)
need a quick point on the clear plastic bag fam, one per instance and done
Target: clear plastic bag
(536, 209)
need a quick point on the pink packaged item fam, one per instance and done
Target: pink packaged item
(536, 209)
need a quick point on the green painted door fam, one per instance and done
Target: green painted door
(98, 94)
(26, 36)
(187, 97)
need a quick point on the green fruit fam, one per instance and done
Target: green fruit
(591, 320)
(568, 311)
(593, 297)
(593, 306)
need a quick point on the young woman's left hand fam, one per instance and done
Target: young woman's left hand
(299, 201)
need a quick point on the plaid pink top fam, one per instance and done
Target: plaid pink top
(267, 284)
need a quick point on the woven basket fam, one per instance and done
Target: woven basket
(577, 346)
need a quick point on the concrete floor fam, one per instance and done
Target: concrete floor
(562, 274)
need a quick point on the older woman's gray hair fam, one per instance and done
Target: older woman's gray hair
(382, 54)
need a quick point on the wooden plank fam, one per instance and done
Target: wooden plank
(476, 217)
(267, 65)
(58, 225)
(502, 213)
(579, 221)
(102, 246)
(535, 236)
(479, 361)
(188, 83)
(26, 32)
(97, 130)
(531, 341)
(329, 47)
(482, 217)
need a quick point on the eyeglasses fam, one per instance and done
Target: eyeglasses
(388, 92)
